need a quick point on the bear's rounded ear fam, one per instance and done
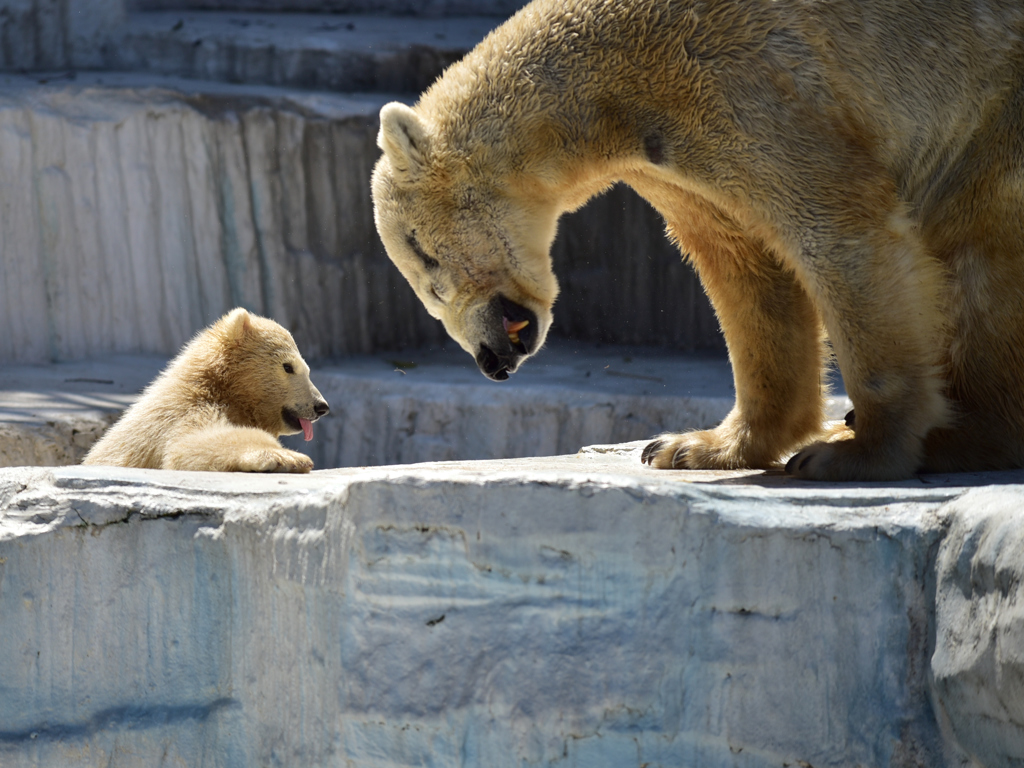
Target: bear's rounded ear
(405, 140)
(237, 323)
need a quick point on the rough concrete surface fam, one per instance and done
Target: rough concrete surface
(559, 611)
(979, 659)
(42, 34)
(420, 406)
(154, 210)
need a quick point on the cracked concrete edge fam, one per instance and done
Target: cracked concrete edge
(36, 500)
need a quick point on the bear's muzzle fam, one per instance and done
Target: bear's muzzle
(510, 337)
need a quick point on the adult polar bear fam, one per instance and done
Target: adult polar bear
(856, 163)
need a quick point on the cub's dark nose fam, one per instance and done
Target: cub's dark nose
(321, 409)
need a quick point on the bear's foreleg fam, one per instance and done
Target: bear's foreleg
(776, 348)
(226, 448)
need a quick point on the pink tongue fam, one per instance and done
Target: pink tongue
(307, 428)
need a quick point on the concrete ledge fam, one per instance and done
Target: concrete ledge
(50, 415)
(568, 611)
(405, 407)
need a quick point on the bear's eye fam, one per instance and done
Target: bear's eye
(428, 261)
(288, 368)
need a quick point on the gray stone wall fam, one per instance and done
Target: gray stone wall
(132, 216)
(52, 34)
(141, 201)
(397, 7)
(569, 612)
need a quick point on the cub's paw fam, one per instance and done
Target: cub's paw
(707, 449)
(845, 460)
(275, 460)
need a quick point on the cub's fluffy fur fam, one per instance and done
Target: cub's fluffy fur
(220, 405)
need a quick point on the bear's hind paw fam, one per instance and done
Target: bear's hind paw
(846, 460)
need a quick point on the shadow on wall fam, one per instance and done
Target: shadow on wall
(624, 282)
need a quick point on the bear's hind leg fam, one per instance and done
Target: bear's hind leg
(776, 348)
(881, 297)
(225, 448)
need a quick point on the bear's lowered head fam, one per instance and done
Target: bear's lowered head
(472, 244)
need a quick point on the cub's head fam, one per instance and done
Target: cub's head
(468, 236)
(264, 378)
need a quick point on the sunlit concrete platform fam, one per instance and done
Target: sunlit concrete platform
(565, 611)
(405, 407)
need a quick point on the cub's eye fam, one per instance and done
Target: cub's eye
(436, 295)
(288, 368)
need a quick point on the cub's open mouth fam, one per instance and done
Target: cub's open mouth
(297, 423)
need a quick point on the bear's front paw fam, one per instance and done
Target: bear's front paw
(708, 449)
(275, 460)
(847, 460)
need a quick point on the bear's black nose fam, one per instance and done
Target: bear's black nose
(321, 408)
(491, 365)
(511, 334)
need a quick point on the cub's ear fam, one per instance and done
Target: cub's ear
(405, 140)
(237, 323)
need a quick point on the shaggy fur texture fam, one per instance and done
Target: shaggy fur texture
(849, 166)
(220, 405)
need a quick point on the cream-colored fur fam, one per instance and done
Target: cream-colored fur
(854, 167)
(220, 405)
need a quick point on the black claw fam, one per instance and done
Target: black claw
(800, 461)
(652, 449)
(676, 462)
(850, 417)
(789, 464)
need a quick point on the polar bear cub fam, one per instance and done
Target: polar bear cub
(221, 404)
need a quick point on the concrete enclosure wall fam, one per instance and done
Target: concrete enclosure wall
(137, 204)
(573, 612)
(131, 217)
(52, 34)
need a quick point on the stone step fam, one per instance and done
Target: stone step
(406, 407)
(355, 52)
(50, 415)
(566, 612)
(135, 209)
(428, 8)
(90, 34)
